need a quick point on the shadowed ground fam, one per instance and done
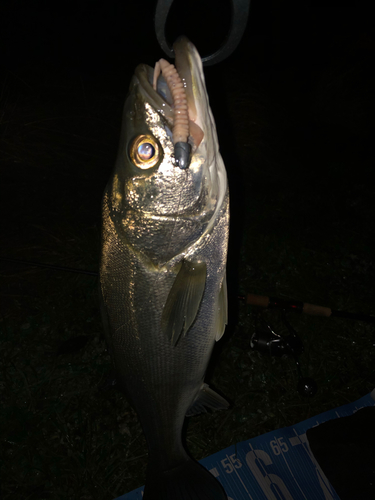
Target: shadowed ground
(297, 140)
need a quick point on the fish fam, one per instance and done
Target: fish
(165, 229)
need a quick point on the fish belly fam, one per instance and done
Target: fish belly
(160, 380)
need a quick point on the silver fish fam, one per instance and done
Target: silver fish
(162, 272)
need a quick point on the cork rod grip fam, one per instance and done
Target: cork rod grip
(314, 310)
(257, 300)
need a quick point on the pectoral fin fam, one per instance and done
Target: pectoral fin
(222, 314)
(183, 300)
(207, 398)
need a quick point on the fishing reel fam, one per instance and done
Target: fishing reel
(267, 341)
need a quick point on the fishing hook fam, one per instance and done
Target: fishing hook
(240, 12)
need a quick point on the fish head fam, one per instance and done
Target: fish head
(156, 206)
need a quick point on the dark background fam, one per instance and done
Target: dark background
(97, 37)
(294, 108)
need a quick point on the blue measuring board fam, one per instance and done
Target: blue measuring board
(275, 466)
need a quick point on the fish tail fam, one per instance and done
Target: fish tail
(188, 481)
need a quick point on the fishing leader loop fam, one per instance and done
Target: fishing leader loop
(240, 13)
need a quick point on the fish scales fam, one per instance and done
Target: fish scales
(134, 299)
(151, 246)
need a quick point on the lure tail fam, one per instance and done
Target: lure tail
(188, 481)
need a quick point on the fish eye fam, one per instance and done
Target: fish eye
(144, 151)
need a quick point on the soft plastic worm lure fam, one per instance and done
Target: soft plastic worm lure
(180, 132)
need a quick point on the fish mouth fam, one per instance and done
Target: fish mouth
(189, 68)
(205, 181)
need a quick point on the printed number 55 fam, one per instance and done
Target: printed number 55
(230, 462)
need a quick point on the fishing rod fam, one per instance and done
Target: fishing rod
(267, 341)
(302, 307)
(250, 298)
(49, 266)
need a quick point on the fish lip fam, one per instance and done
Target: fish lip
(184, 62)
(202, 133)
(144, 73)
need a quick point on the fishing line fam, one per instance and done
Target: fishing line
(49, 266)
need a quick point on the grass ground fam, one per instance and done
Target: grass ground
(299, 155)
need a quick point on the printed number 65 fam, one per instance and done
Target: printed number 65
(278, 446)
